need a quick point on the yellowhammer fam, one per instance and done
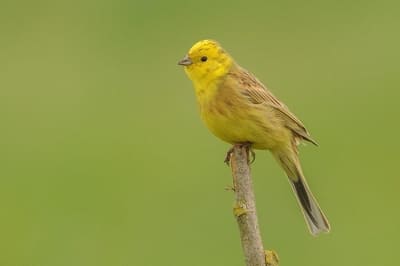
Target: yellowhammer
(238, 108)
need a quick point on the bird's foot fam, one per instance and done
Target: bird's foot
(249, 151)
(253, 155)
(228, 156)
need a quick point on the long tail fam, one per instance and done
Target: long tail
(315, 218)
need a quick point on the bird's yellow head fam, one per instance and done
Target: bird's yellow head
(206, 62)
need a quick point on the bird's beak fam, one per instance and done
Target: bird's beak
(186, 61)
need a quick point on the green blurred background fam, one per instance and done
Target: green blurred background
(104, 160)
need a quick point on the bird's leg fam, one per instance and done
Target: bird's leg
(249, 150)
(228, 156)
(251, 155)
(227, 160)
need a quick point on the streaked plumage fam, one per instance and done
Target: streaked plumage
(238, 108)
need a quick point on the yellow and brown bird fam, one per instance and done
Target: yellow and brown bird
(238, 108)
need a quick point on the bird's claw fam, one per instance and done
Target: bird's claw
(247, 145)
(228, 156)
(253, 155)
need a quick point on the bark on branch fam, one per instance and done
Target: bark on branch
(245, 210)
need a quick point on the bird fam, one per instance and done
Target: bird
(237, 108)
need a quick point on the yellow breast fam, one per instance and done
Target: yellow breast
(233, 119)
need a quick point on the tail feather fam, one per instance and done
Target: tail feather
(315, 218)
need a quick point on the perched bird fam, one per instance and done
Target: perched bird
(238, 108)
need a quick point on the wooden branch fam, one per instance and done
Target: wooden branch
(245, 210)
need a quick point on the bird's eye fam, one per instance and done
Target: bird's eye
(203, 58)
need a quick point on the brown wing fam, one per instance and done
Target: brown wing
(258, 94)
